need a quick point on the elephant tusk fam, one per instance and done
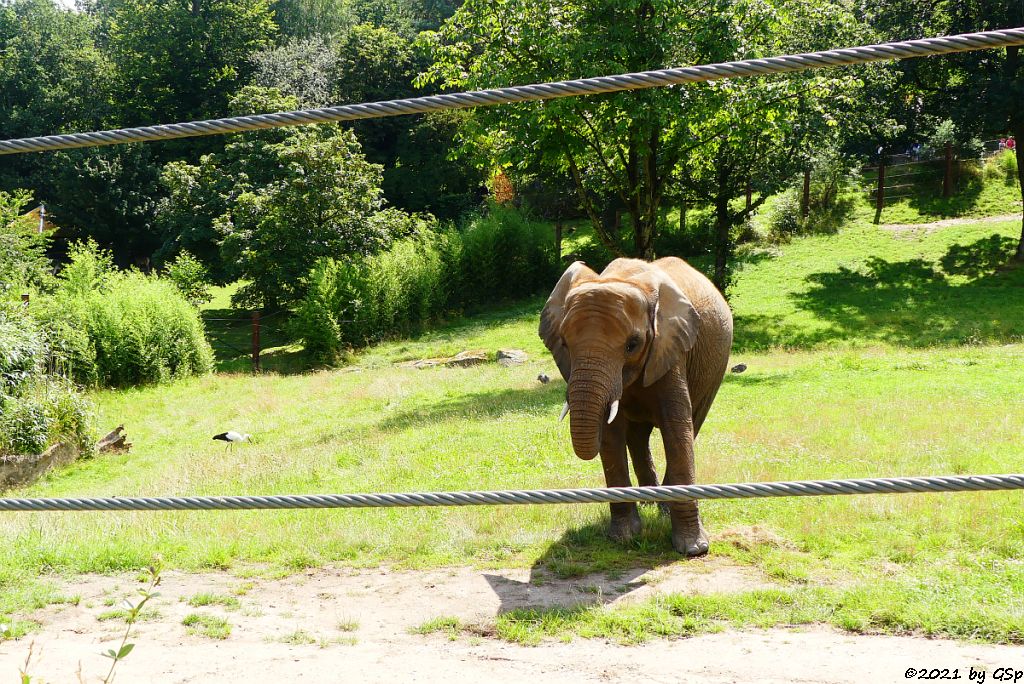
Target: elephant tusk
(613, 412)
(564, 413)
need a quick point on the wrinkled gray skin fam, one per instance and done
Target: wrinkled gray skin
(654, 337)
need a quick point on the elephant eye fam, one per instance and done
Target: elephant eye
(632, 344)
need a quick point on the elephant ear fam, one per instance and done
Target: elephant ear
(675, 323)
(554, 311)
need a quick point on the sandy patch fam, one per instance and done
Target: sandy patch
(360, 621)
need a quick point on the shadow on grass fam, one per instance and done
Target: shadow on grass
(482, 405)
(913, 303)
(606, 570)
(930, 201)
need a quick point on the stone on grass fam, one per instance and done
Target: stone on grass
(467, 358)
(511, 357)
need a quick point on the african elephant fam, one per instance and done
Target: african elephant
(643, 345)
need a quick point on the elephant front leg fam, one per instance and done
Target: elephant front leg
(625, 519)
(688, 534)
(638, 439)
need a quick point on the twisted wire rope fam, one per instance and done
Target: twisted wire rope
(747, 490)
(540, 91)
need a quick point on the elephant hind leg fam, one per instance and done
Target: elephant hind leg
(638, 439)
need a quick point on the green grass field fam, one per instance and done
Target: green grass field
(870, 353)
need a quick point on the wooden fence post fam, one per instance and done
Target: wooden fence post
(947, 176)
(255, 341)
(24, 300)
(880, 195)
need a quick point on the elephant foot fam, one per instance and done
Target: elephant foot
(691, 543)
(688, 535)
(624, 526)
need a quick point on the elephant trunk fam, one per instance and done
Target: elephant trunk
(593, 388)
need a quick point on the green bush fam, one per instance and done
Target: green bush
(506, 255)
(830, 201)
(22, 250)
(191, 278)
(365, 298)
(119, 329)
(145, 331)
(36, 409)
(1002, 166)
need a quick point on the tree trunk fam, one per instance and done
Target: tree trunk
(723, 243)
(643, 232)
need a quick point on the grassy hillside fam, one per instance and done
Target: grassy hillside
(870, 353)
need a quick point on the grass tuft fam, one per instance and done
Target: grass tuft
(209, 626)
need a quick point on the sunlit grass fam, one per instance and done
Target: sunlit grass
(882, 392)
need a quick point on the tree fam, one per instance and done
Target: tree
(625, 151)
(759, 133)
(53, 79)
(108, 194)
(179, 60)
(276, 201)
(306, 19)
(371, 63)
(983, 91)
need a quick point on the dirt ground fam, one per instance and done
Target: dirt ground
(359, 623)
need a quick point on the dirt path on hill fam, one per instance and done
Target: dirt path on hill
(359, 623)
(932, 226)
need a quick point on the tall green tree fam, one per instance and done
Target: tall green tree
(371, 63)
(757, 134)
(53, 79)
(632, 150)
(275, 201)
(179, 60)
(982, 91)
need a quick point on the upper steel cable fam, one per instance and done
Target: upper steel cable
(541, 91)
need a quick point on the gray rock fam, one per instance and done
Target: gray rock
(467, 358)
(511, 357)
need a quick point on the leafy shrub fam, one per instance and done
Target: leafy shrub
(119, 329)
(365, 298)
(1002, 166)
(506, 255)
(696, 239)
(829, 202)
(351, 303)
(36, 409)
(144, 331)
(22, 351)
(191, 278)
(22, 251)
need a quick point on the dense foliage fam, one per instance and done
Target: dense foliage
(37, 408)
(498, 256)
(117, 328)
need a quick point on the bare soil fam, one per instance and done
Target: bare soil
(358, 624)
